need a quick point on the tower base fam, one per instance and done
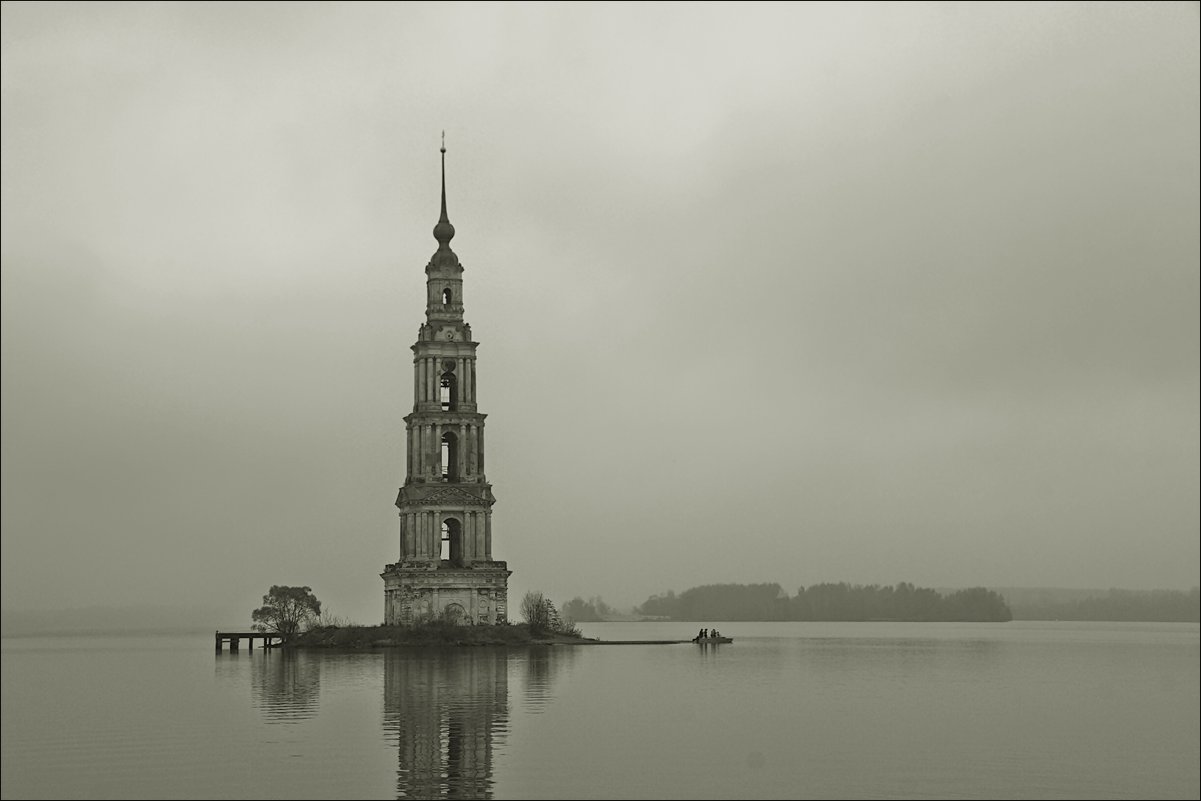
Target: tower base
(418, 592)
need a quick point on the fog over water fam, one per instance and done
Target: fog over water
(764, 292)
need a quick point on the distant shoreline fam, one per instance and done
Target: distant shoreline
(1026, 603)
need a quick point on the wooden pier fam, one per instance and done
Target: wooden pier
(235, 637)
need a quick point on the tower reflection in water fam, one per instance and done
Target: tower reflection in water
(445, 708)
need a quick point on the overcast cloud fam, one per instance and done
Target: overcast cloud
(781, 292)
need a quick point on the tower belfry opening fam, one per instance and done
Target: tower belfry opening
(446, 569)
(446, 394)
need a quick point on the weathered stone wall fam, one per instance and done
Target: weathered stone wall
(415, 593)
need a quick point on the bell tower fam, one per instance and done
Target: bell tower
(446, 569)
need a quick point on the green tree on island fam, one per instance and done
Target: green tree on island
(286, 609)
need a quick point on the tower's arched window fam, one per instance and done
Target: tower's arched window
(450, 457)
(448, 392)
(446, 296)
(452, 541)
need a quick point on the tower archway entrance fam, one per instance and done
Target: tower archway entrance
(455, 613)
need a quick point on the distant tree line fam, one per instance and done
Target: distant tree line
(590, 611)
(1165, 606)
(842, 601)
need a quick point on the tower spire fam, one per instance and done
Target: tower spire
(444, 231)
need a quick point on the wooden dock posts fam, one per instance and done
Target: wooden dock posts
(235, 637)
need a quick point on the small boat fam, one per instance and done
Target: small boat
(706, 640)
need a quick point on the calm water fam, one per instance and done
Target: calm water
(789, 710)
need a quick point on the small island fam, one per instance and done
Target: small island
(432, 633)
(292, 617)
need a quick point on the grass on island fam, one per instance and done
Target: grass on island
(432, 633)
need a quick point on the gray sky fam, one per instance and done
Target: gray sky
(783, 292)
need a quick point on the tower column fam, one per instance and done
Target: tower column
(421, 446)
(462, 460)
(465, 451)
(415, 456)
(431, 453)
(431, 462)
(468, 529)
(461, 383)
(469, 453)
